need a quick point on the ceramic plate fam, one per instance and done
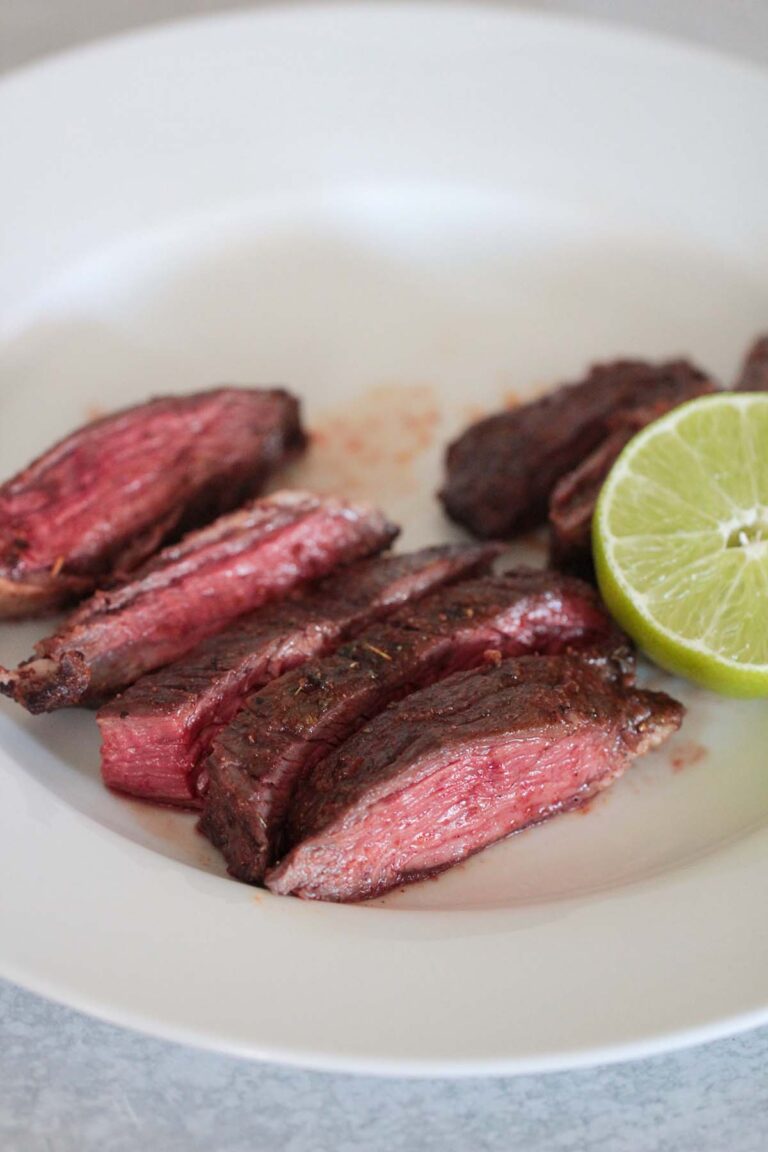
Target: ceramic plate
(410, 215)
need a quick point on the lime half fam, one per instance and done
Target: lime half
(680, 538)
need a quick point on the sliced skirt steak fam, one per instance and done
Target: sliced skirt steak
(101, 501)
(459, 766)
(292, 723)
(192, 590)
(574, 497)
(501, 470)
(157, 734)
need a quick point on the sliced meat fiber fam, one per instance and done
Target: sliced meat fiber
(572, 506)
(191, 591)
(501, 470)
(574, 497)
(754, 370)
(108, 496)
(460, 765)
(156, 735)
(290, 725)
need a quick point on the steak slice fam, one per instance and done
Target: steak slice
(501, 470)
(105, 498)
(573, 502)
(459, 766)
(754, 371)
(192, 590)
(156, 735)
(573, 499)
(287, 727)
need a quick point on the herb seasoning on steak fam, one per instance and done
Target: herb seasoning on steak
(287, 727)
(191, 591)
(102, 500)
(156, 735)
(501, 471)
(459, 766)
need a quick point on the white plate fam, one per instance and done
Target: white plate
(405, 213)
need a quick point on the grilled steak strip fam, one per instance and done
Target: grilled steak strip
(501, 470)
(572, 506)
(573, 499)
(287, 727)
(193, 590)
(156, 735)
(754, 371)
(460, 765)
(105, 498)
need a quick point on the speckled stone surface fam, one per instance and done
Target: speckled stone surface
(71, 1084)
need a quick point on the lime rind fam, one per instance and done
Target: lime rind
(678, 547)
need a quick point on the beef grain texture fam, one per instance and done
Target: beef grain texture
(157, 734)
(572, 506)
(191, 591)
(754, 370)
(573, 499)
(105, 498)
(287, 727)
(460, 765)
(501, 470)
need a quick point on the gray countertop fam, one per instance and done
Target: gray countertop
(71, 1084)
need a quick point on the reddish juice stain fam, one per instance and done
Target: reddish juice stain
(369, 444)
(686, 755)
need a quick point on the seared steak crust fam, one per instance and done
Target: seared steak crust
(287, 727)
(156, 734)
(501, 470)
(459, 765)
(574, 497)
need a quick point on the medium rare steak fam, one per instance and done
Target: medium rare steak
(104, 499)
(156, 735)
(573, 502)
(501, 470)
(459, 766)
(287, 727)
(193, 590)
(754, 371)
(573, 499)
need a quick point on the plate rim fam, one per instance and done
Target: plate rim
(331, 9)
